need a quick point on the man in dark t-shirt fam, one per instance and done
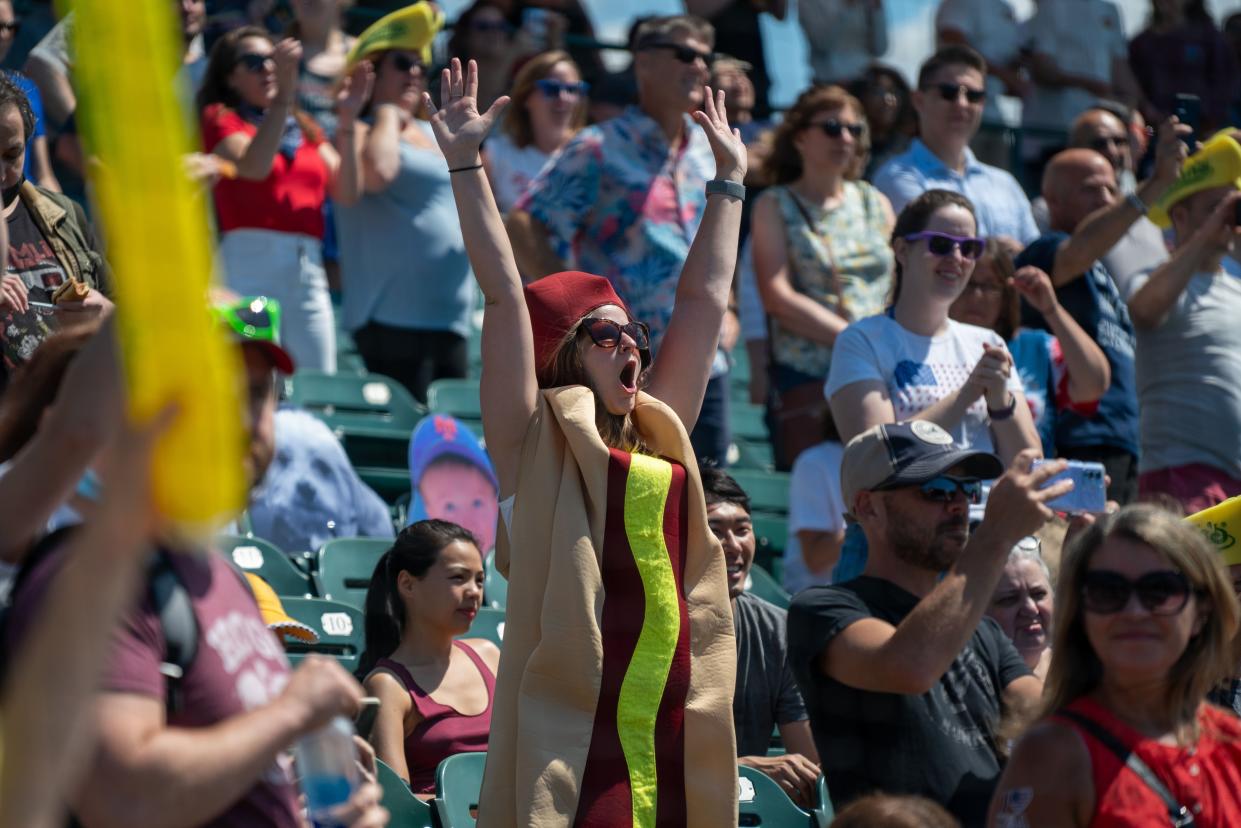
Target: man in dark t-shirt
(766, 697)
(904, 679)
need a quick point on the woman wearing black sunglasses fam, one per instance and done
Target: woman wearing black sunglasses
(613, 699)
(1145, 622)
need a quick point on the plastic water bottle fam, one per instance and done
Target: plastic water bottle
(328, 767)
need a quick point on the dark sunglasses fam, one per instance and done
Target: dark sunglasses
(835, 128)
(607, 334)
(1105, 591)
(403, 63)
(943, 489)
(1103, 142)
(552, 88)
(681, 52)
(942, 244)
(952, 92)
(11, 28)
(254, 62)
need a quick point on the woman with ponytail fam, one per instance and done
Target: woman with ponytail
(435, 691)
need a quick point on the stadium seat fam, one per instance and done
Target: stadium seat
(381, 446)
(746, 422)
(389, 483)
(754, 456)
(495, 585)
(771, 536)
(488, 624)
(763, 802)
(458, 397)
(366, 400)
(341, 629)
(458, 782)
(264, 559)
(346, 566)
(407, 810)
(762, 584)
(768, 491)
(824, 813)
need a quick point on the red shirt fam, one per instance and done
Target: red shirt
(1206, 777)
(289, 200)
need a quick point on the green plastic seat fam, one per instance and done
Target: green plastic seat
(369, 444)
(762, 584)
(458, 397)
(772, 532)
(341, 629)
(754, 456)
(768, 491)
(346, 566)
(458, 783)
(495, 585)
(763, 802)
(824, 813)
(407, 810)
(390, 484)
(488, 624)
(355, 399)
(746, 422)
(267, 561)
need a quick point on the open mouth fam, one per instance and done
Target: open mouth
(629, 377)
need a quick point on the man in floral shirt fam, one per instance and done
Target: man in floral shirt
(624, 198)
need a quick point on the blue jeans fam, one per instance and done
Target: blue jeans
(710, 437)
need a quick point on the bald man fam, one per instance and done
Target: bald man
(1088, 217)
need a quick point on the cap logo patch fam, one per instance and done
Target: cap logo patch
(928, 432)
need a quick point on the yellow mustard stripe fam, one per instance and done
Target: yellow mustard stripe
(642, 689)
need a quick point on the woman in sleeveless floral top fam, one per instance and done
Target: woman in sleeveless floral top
(821, 253)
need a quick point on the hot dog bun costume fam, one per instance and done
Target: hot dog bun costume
(614, 696)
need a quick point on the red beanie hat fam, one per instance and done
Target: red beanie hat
(556, 303)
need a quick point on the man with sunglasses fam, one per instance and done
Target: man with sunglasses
(624, 198)
(903, 677)
(1088, 217)
(949, 102)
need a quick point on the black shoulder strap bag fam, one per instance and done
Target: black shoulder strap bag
(1178, 815)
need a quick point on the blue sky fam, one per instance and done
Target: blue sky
(909, 22)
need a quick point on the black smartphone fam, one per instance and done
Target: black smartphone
(365, 721)
(1188, 111)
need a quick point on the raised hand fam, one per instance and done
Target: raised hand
(1035, 287)
(354, 91)
(459, 128)
(731, 159)
(288, 57)
(1016, 506)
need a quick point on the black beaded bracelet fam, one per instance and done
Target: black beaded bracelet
(477, 166)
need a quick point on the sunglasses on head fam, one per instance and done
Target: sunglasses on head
(254, 62)
(552, 88)
(835, 128)
(683, 53)
(1105, 592)
(952, 92)
(11, 28)
(403, 63)
(944, 488)
(607, 334)
(942, 244)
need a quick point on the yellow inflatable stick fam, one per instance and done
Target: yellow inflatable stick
(1221, 524)
(131, 118)
(411, 28)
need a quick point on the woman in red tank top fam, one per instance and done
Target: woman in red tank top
(1144, 623)
(435, 691)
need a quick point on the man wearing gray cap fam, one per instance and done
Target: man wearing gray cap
(903, 677)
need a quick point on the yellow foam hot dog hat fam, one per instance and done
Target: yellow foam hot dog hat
(1221, 524)
(411, 28)
(1217, 164)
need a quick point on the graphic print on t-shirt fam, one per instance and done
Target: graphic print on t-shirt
(920, 385)
(32, 259)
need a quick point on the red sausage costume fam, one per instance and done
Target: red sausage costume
(613, 701)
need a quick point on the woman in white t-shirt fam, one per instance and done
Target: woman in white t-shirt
(915, 363)
(548, 108)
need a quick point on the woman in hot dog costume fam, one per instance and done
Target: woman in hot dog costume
(613, 701)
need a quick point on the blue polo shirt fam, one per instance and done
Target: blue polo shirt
(1093, 300)
(999, 202)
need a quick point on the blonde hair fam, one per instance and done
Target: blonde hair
(1209, 658)
(517, 124)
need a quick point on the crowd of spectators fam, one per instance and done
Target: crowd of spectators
(935, 320)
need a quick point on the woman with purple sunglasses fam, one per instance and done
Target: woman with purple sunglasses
(915, 363)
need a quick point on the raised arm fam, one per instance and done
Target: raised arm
(254, 155)
(342, 156)
(683, 364)
(1088, 370)
(509, 389)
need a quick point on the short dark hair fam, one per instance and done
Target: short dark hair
(954, 55)
(12, 95)
(719, 487)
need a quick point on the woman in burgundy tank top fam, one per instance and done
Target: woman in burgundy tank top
(1144, 626)
(435, 691)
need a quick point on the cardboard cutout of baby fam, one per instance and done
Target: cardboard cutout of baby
(452, 478)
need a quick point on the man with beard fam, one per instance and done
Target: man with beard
(904, 679)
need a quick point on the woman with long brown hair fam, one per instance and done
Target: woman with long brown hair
(821, 254)
(613, 700)
(1145, 623)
